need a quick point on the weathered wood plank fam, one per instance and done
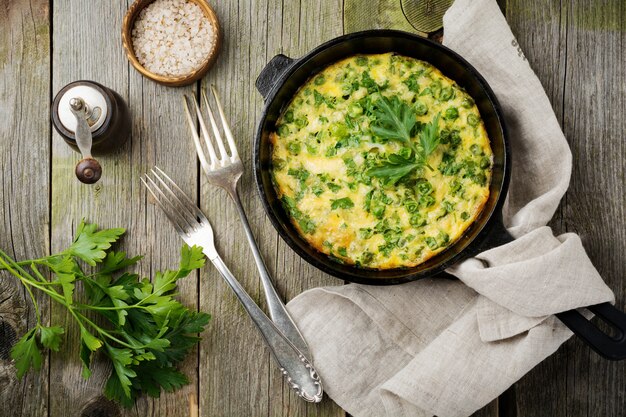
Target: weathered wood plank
(238, 377)
(90, 48)
(595, 97)
(25, 181)
(575, 50)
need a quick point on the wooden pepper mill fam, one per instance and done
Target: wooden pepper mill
(92, 119)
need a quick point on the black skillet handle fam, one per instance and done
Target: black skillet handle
(611, 347)
(271, 73)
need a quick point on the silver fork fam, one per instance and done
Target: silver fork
(224, 170)
(195, 229)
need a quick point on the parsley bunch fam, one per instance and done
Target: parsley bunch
(396, 120)
(136, 324)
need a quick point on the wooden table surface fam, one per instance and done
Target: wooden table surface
(577, 49)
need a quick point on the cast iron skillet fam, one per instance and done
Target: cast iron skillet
(279, 81)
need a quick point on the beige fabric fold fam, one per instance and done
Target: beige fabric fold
(448, 347)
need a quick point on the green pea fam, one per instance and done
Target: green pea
(338, 130)
(467, 103)
(301, 122)
(426, 201)
(480, 178)
(446, 94)
(278, 164)
(289, 116)
(456, 187)
(367, 257)
(319, 80)
(464, 216)
(410, 205)
(472, 119)
(378, 212)
(283, 130)
(450, 137)
(311, 149)
(485, 162)
(476, 149)
(417, 220)
(443, 237)
(355, 110)
(424, 187)
(420, 108)
(294, 148)
(431, 242)
(451, 113)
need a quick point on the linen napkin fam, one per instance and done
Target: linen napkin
(447, 347)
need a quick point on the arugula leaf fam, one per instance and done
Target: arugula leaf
(90, 244)
(51, 337)
(26, 353)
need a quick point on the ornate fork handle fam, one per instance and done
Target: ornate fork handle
(300, 374)
(278, 311)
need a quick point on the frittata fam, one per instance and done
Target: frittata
(381, 161)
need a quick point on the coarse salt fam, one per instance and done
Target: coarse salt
(172, 37)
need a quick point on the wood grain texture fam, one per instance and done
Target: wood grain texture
(118, 200)
(577, 50)
(24, 182)
(238, 377)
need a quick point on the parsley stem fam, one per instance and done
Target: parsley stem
(24, 282)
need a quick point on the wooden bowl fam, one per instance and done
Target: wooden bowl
(171, 81)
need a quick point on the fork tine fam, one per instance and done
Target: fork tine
(196, 139)
(216, 131)
(184, 201)
(153, 189)
(229, 134)
(205, 135)
(174, 211)
(181, 208)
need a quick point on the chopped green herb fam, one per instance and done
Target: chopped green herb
(361, 60)
(343, 203)
(333, 187)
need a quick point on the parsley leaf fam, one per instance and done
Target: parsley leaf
(26, 353)
(90, 244)
(395, 168)
(138, 325)
(394, 119)
(429, 136)
(51, 337)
